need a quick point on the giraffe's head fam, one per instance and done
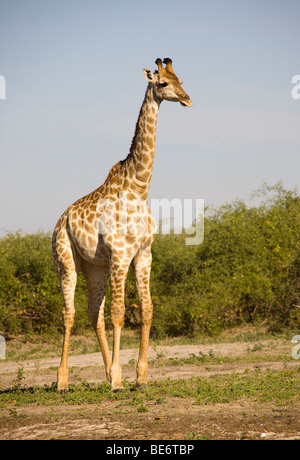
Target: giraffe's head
(166, 85)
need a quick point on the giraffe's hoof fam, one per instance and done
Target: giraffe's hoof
(62, 380)
(140, 387)
(117, 390)
(62, 387)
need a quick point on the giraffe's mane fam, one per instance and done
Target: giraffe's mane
(118, 165)
(113, 170)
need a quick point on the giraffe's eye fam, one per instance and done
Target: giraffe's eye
(163, 84)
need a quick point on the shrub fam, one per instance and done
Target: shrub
(30, 294)
(247, 270)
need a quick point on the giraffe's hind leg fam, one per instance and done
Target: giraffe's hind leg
(68, 287)
(96, 278)
(66, 267)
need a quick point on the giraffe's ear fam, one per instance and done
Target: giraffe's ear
(148, 74)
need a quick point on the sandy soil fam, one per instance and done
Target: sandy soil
(175, 418)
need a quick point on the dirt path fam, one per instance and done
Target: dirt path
(174, 418)
(43, 371)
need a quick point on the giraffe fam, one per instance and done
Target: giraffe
(106, 231)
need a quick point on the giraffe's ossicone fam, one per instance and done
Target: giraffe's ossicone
(104, 232)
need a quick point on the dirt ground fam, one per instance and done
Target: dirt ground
(173, 419)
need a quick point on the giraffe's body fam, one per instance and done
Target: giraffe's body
(107, 230)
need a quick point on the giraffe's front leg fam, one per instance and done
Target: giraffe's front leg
(142, 267)
(118, 275)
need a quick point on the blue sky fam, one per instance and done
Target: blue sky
(74, 80)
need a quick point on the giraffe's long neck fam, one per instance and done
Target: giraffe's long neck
(139, 163)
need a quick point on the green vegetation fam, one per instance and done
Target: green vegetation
(278, 387)
(247, 271)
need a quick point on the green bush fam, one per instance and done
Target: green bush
(30, 295)
(247, 270)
